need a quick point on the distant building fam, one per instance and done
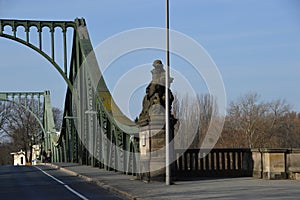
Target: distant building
(36, 153)
(19, 158)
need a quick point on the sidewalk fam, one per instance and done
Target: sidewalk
(225, 188)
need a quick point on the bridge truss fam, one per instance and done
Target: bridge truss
(38, 104)
(91, 131)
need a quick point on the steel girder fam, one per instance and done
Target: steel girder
(50, 137)
(101, 136)
(27, 24)
(107, 138)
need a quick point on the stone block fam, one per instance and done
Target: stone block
(257, 163)
(152, 152)
(293, 163)
(274, 166)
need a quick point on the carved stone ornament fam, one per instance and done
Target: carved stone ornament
(154, 100)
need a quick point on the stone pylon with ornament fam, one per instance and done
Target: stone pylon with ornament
(151, 124)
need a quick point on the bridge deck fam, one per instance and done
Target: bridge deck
(229, 188)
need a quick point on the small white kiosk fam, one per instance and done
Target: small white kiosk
(19, 158)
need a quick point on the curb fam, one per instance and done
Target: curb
(99, 183)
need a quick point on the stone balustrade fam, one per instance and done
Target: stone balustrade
(259, 163)
(213, 163)
(276, 163)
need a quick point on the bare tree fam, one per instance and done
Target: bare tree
(194, 115)
(253, 123)
(186, 110)
(5, 156)
(57, 116)
(22, 126)
(4, 115)
(208, 110)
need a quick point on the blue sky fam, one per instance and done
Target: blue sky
(255, 44)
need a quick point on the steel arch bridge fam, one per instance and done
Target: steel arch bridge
(36, 103)
(94, 130)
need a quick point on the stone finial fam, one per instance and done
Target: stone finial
(157, 64)
(158, 73)
(154, 100)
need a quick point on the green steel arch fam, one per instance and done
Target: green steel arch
(50, 138)
(108, 125)
(9, 97)
(27, 24)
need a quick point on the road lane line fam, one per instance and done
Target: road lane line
(57, 180)
(75, 192)
(66, 186)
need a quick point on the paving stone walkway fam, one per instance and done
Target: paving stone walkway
(223, 188)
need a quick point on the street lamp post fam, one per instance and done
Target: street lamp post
(167, 85)
(31, 149)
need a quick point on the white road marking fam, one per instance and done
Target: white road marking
(75, 192)
(66, 186)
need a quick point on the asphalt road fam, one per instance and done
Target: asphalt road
(43, 182)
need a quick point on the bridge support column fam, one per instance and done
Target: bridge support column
(270, 163)
(152, 150)
(152, 132)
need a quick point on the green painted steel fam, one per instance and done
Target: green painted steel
(15, 97)
(50, 137)
(27, 24)
(98, 138)
(103, 136)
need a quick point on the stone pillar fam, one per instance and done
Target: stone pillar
(151, 124)
(274, 163)
(257, 163)
(152, 142)
(293, 164)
